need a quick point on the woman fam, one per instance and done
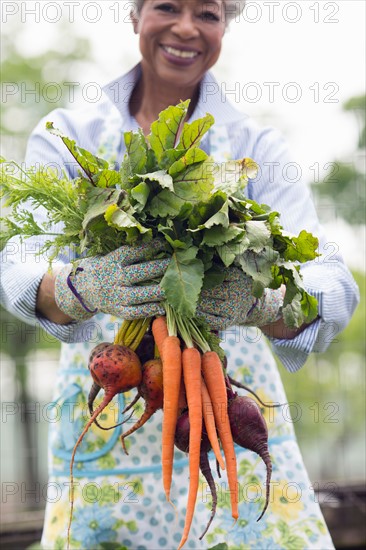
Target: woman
(120, 498)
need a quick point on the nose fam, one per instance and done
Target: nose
(185, 26)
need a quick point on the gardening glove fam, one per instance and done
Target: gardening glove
(232, 303)
(109, 284)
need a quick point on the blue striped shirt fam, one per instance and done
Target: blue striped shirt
(278, 185)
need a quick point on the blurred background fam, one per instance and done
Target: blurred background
(298, 66)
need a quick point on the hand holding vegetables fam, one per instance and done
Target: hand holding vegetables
(232, 303)
(109, 284)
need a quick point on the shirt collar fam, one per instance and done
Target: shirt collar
(211, 99)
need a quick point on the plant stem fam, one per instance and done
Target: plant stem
(198, 337)
(170, 320)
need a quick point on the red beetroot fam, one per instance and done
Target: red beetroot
(249, 430)
(182, 442)
(151, 389)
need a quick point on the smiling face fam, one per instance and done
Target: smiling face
(180, 39)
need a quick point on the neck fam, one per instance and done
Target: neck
(150, 97)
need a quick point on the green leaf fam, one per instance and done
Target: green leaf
(213, 212)
(165, 204)
(107, 178)
(302, 248)
(192, 156)
(292, 313)
(213, 277)
(230, 251)
(219, 546)
(258, 235)
(119, 219)
(27, 227)
(161, 177)
(170, 234)
(165, 130)
(88, 162)
(193, 132)
(100, 200)
(245, 206)
(141, 194)
(170, 156)
(217, 235)
(195, 183)
(182, 282)
(232, 176)
(309, 306)
(136, 152)
(259, 267)
(292, 291)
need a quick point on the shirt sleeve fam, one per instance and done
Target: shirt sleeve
(22, 266)
(280, 185)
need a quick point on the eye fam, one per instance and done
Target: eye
(209, 16)
(166, 7)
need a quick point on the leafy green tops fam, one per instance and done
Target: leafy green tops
(166, 187)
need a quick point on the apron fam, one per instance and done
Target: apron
(120, 499)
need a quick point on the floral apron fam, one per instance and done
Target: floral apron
(120, 499)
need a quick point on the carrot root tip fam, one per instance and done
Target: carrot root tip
(124, 445)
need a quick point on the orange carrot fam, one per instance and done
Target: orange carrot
(172, 373)
(182, 401)
(215, 381)
(191, 359)
(160, 332)
(209, 418)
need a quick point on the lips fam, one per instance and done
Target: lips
(185, 54)
(179, 54)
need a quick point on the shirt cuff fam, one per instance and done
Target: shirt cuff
(294, 352)
(19, 297)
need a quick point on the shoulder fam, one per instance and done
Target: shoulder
(247, 136)
(83, 124)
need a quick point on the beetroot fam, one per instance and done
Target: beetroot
(151, 389)
(182, 442)
(116, 369)
(249, 430)
(146, 348)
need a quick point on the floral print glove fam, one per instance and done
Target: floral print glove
(111, 284)
(232, 303)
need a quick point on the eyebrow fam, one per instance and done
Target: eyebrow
(213, 2)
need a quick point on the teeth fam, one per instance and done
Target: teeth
(180, 53)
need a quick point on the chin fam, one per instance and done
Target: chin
(181, 78)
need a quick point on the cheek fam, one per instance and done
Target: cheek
(215, 47)
(215, 42)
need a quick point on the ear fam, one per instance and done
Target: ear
(134, 21)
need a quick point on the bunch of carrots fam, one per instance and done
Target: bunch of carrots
(174, 368)
(206, 396)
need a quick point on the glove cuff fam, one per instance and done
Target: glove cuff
(267, 309)
(68, 298)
